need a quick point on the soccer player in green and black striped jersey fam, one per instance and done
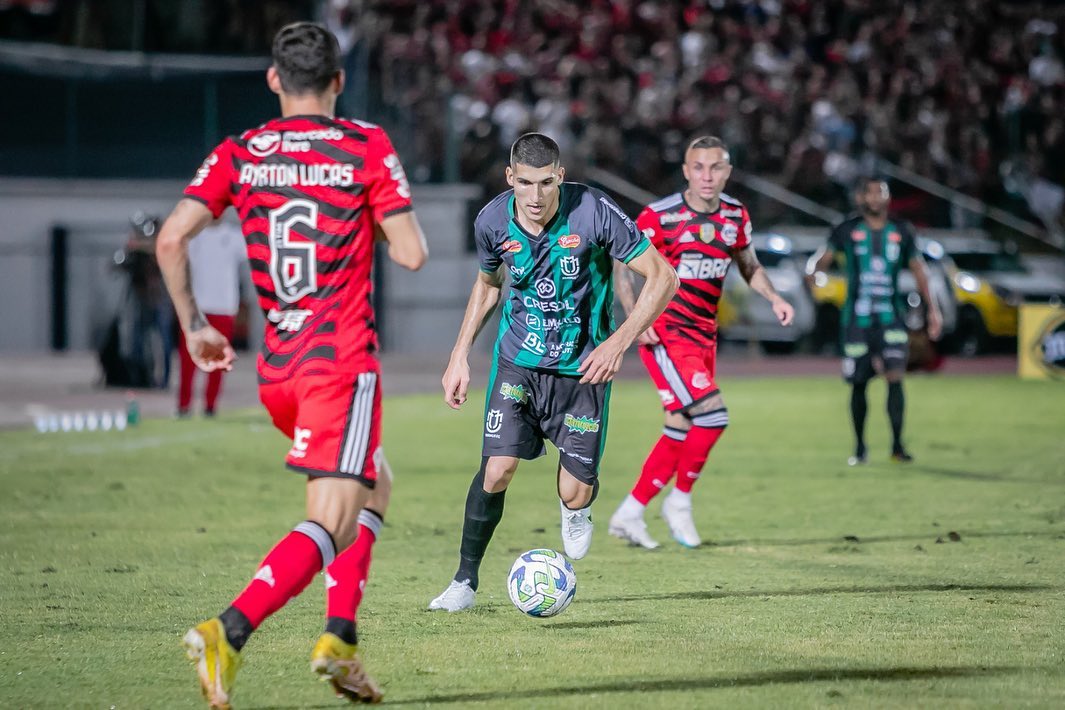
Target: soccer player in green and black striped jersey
(557, 349)
(875, 248)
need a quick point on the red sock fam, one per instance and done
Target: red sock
(660, 465)
(286, 571)
(706, 430)
(345, 579)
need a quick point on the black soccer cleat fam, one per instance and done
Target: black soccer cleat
(901, 456)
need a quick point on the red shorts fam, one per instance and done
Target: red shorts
(334, 422)
(682, 371)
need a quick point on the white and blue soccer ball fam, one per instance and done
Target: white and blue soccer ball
(541, 583)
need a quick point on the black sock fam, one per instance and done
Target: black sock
(344, 629)
(858, 409)
(896, 402)
(237, 627)
(483, 513)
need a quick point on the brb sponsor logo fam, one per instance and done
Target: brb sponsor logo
(493, 423)
(703, 268)
(289, 321)
(580, 425)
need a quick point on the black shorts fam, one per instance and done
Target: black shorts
(524, 407)
(888, 343)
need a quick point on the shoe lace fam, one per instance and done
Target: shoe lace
(574, 528)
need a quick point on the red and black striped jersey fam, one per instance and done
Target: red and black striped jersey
(308, 190)
(700, 246)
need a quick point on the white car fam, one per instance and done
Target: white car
(745, 315)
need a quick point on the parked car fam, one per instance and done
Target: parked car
(989, 284)
(745, 315)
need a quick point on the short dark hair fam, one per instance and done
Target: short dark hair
(863, 182)
(704, 142)
(535, 150)
(306, 56)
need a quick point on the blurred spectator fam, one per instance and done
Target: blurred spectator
(216, 259)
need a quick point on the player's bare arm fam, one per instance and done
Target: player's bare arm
(660, 283)
(920, 275)
(819, 262)
(755, 275)
(406, 240)
(483, 301)
(209, 349)
(626, 293)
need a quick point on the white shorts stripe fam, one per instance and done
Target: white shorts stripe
(669, 370)
(358, 434)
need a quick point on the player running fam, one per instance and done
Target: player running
(556, 351)
(700, 232)
(310, 190)
(875, 248)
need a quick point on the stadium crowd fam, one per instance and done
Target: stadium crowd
(969, 93)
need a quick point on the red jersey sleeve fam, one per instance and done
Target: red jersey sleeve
(388, 189)
(651, 227)
(211, 184)
(744, 239)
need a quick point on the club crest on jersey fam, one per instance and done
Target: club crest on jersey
(581, 424)
(516, 393)
(858, 235)
(570, 266)
(729, 233)
(707, 232)
(512, 245)
(264, 144)
(569, 241)
(493, 422)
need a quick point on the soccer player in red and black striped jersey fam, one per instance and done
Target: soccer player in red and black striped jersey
(699, 231)
(313, 193)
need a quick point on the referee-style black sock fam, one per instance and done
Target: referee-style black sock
(344, 629)
(858, 410)
(237, 627)
(896, 403)
(483, 513)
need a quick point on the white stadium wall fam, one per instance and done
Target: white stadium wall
(422, 310)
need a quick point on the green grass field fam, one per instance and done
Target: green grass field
(823, 587)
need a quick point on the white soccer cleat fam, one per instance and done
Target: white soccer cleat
(678, 516)
(631, 529)
(457, 597)
(576, 531)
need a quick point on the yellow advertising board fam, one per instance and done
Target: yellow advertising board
(1041, 342)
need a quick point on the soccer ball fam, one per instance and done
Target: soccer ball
(541, 583)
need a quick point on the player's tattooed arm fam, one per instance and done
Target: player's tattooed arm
(623, 287)
(209, 349)
(755, 274)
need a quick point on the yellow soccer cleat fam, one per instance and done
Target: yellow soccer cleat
(339, 663)
(216, 661)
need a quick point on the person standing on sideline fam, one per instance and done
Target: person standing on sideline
(216, 260)
(557, 350)
(700, 231)
(311, 191)
(876, 248)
